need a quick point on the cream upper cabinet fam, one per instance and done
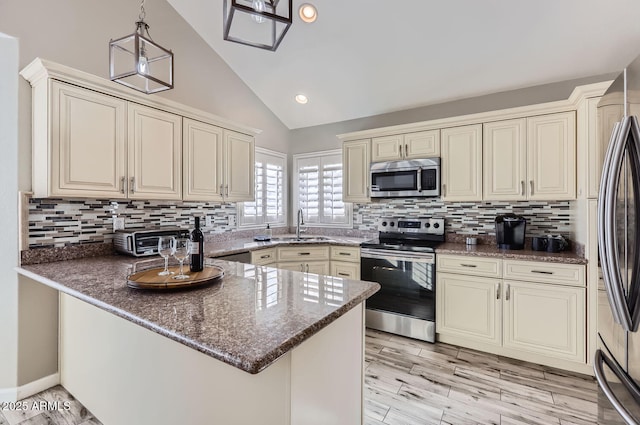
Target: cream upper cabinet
(545, 319)
(461, 166)
(202, 154)
(607, 117)
(239, 166)
(504, 159)
(423, 144)
(88, 144)
(356, 159)
(551, 156)
(155, 153)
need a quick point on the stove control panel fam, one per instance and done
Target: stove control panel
(433, 226)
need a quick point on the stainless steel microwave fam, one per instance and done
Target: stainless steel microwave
(396, 179)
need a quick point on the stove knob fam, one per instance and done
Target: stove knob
(427, 225)
(392, 224)
(436, 225)
(384, 223)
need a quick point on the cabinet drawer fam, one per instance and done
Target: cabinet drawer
(476, 266)
(345, 269)
(533, 271)
(263, 256)
(303, 253)
(345, 253)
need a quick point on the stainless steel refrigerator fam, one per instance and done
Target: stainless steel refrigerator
(617, 361)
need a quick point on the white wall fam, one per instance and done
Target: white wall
(8, 215)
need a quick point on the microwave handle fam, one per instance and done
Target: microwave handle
(419, 179)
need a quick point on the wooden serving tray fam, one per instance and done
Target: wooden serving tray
(149, 279)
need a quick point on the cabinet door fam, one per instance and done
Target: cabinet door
(239, 168)
(504, 160)
(545, 319)
(388, 148)
(202, 161)
(345, 269)
(317, 267)
(355, 170)
(155, 154)
(296, 266)
(423, 144)
(607, 117)
(88, 145)
(468, 307)
(462, 163)
(551, 158)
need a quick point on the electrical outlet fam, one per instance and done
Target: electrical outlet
(232, 221)
(208, 222)
(118, 223)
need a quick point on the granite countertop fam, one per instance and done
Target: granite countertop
(483, 250)
(249, 319)
(216, 249)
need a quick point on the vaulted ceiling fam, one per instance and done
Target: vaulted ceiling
(367, 57)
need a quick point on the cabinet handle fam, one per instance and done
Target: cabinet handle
(133, 185)
(343, 274)
(227, 190)
(307, 268)
(497, 291)
(468, 265)
(531, 186)
(344, 253)
(522, 187)
(541, 271)
(406, 150)
(444, 189)
(304, 253)
(506, 295)
(221, 190)
(122, 183)
(265, 256)
(302, 267)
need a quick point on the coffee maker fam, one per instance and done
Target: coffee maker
(510, 231)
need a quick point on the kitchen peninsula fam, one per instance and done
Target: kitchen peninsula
(263, 345)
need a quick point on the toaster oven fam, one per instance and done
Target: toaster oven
(144, 242)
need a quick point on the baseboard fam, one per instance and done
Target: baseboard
(27, 390)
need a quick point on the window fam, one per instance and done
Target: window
(270, 203)
(319, 189)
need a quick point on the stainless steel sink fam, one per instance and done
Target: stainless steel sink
(300, 239)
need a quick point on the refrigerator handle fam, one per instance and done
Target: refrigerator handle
(629, 384)
(634, 284)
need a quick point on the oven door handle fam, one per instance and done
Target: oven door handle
(380, 254)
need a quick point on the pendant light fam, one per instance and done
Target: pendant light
(140, 63)
(257, 23)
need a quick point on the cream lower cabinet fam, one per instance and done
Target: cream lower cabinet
(304, 258)
(356, 159)
(345, 261)
(461, 163)
(530, 310)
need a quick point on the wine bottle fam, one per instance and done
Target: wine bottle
(197, 248)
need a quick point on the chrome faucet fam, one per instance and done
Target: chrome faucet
(299, 222)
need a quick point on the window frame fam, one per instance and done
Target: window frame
(261, 152)
(296, 187)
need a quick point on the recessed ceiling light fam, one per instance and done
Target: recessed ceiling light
(308, 13)
(302, 99)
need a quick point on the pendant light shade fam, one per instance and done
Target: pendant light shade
(257, 23)
(140, 63)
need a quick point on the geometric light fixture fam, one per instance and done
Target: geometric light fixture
(257, 23)
(140, 63)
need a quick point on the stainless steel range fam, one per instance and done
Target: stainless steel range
(403, 262)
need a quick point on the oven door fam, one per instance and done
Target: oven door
(407, 282)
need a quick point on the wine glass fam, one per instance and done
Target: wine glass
(181, 250)
(165, 249)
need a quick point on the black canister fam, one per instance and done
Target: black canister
(539, 243)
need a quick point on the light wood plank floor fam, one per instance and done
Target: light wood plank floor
(411, 382)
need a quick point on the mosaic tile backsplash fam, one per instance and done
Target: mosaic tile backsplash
(64, 222)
